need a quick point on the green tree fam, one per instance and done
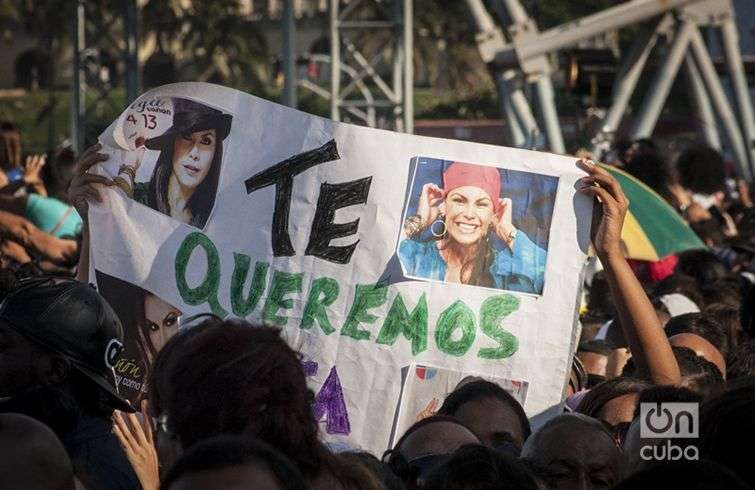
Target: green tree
(210, 41)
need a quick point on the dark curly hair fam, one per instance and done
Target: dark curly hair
(701, 170)
(701, 324)
(725, 421)
(653, 170)
(224, 452)
(597, 398)
(237, 378)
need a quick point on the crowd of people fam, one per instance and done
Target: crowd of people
(228, 404)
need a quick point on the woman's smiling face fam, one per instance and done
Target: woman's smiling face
(192, 156)
(469, 213)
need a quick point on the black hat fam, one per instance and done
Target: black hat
(189, 117)
(72, 319)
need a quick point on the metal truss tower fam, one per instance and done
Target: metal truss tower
(102, 59)
(376, 91)
(521, 55)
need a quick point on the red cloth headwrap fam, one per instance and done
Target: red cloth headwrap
(459, 174)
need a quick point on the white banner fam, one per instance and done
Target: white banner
(372, 250)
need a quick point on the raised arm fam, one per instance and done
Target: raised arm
(650, 348)
(82, 188)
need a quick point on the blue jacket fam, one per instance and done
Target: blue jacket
(521, 269)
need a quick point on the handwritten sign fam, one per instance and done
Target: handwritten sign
(372, 250)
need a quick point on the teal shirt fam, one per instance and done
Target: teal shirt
(521, 269)
(53, 216)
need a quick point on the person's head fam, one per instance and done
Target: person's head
(191, 152)
(60, 336)
(726, 425)
(594, 356)
(613, 403)
(233, 463)
(618, 154)
(378, 470)
(63, 170)
(650, 167)
(574, 451)
(425, 445)
(640, 146)
(731, 324)
(701, 265)
(706, 227)
(702, 348)
(680, 284)
(480, 467)
(698, 374)
(701, 170)
(159, 383)
(250, 382)
(471, 201)
(740, 363)
(702, 324)
(636, 458)
(600, 305)
(727, 290)
(667, 394)
(747, 312)
(494, 416)
(159, 325)
(10, 146)
(33, 457)
(690, 475)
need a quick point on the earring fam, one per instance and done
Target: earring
(442, 223)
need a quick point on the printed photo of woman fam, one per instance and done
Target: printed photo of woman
(472, 236)
(185, 178)
(148, 323)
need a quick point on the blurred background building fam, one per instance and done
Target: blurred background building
(239, 43)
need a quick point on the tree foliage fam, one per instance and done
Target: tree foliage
(210, 41)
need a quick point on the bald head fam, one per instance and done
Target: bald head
(702, 348)
(33, 457)
(574, 451)
(438, 437)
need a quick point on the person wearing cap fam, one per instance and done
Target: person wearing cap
(59, 342)
(185, 179)
(461, 218)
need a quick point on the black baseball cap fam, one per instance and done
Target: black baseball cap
(190, 117)
(72, 319)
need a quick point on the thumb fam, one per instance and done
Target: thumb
(502, 205)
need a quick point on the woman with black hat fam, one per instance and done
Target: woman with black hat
(185, 179)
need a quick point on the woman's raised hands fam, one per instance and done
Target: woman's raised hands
(430, 201)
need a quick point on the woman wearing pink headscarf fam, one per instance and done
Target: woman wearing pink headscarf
(461, 216)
